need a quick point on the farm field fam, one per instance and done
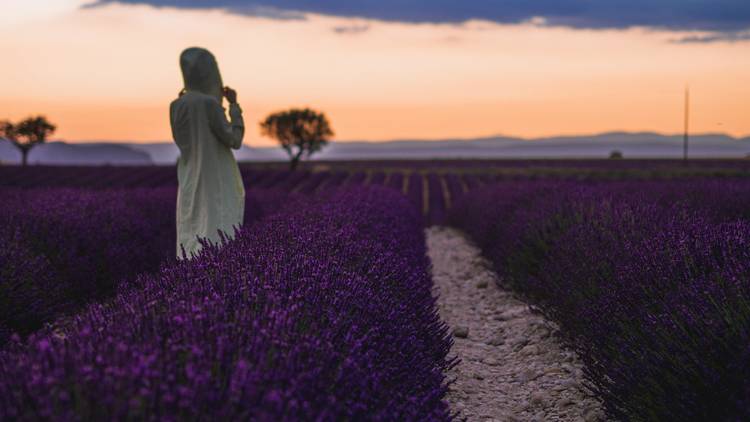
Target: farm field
(432, 186)
(322, 306)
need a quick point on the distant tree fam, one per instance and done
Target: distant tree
(27, 133)
(299, 131)
(615, 155)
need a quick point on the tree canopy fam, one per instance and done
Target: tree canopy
(298, 131)
(27, 133)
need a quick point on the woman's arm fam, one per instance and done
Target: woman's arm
(229, 133)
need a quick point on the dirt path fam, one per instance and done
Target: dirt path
(512, 366)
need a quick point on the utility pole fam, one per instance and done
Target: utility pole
(686, 137)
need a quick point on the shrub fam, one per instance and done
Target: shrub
(650, 282)
(322, 311)
(63, 248)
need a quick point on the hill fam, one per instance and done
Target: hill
(632, 145)
(81, 154)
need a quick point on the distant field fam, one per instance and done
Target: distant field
(431, 185)
(643, 265)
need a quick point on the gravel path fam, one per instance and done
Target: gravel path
(513, 367)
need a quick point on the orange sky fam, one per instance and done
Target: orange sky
(109, 73)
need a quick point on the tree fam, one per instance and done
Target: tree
(615, 155)
(27, 133)
(299, 131)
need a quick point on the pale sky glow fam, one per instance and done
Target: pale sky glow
(109, 73)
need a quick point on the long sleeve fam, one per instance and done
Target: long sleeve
(229, 133)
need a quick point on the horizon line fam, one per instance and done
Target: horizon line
(466, 139)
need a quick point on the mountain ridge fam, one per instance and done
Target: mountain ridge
(630, 144)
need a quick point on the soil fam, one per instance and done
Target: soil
(513, 366)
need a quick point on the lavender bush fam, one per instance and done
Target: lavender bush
(415, 191)
(396, 181)
(378, 178)
(322, 311)
(436, 198)
(62, 248)
(455, 187)
(650, 282)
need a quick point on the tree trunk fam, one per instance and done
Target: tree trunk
(24, 157)
(295, 159)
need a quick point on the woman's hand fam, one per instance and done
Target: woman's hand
(230, 95)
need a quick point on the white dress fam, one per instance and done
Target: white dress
(211, 196)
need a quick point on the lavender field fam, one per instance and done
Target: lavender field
(322, 308)
(650, 282)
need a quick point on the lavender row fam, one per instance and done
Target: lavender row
(434, 201)
(436, 198)
(511, 163)
(322, 311)
(62, 248)
(650, 282)
(271, 175)
(415, 191)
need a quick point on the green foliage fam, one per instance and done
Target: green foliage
(299, 131)
(27, 133)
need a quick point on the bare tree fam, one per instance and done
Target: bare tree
(27, 133)
(299, 131)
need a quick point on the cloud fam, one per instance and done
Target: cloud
(267, 12)
(720, 16)
(248, 8)
(351, 29)
(730, 37)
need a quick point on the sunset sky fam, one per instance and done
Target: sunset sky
(385, 70)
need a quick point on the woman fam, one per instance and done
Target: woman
(211, 197)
